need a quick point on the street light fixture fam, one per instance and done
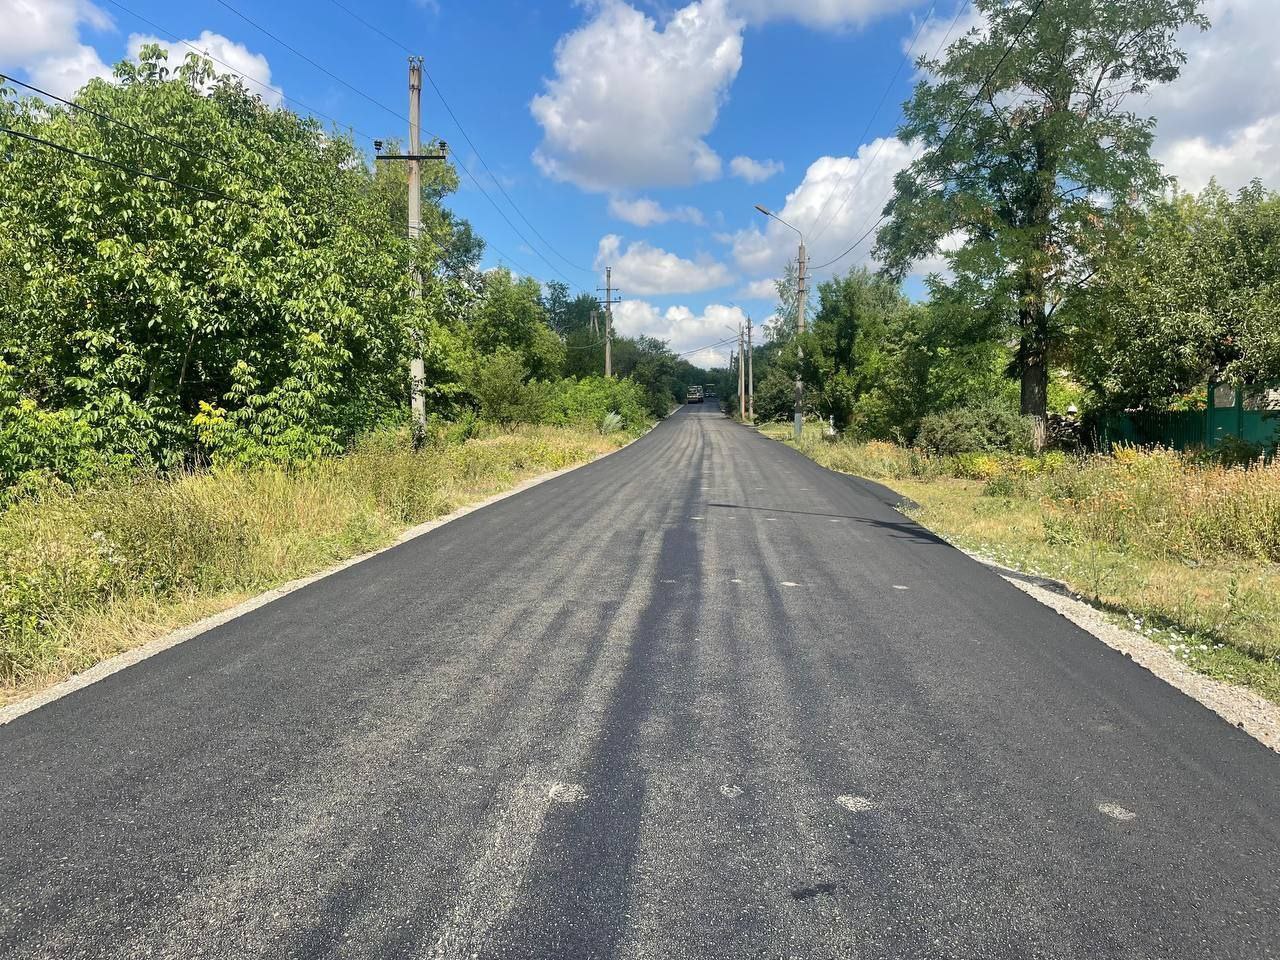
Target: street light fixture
(802, 263)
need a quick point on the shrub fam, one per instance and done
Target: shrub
(977, 429)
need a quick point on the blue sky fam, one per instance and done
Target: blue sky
(642, 134)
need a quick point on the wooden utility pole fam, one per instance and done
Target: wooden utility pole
(608, 302)
(415, 156)
(751, 376)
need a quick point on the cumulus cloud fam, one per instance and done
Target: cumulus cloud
(682, 328)
(645, 269)
(836, 202)
(765, 289)
(820, 13)
(239, 58)
(631, 102)
(1221, 117)
(754, 171)
(43, 37)
(644, 212)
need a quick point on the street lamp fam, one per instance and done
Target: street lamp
(800, 297)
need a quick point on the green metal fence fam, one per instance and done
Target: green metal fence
(1230, 412)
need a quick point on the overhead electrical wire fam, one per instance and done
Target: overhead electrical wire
(862, 173)
(158, 138)
(954, 127)
(906, 57)
(462, 130)
(395, 113)
(135, 171)
(274, 91)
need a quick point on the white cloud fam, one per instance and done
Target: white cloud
(754, 171)
(43, 37)
(820, 13)
(645, 269)
(766, 289)
(630, 103)
(65, 74)
(683, 329)
(239, 58)
(941, 30)
(1221, 117)
(644, 212)
(835, 204)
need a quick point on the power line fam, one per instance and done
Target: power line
(862, 174)
(395, 113)
(124, 167)
(718, 343)
(870, 120)
(462, 130)
(327, 72)
(174, 38)
(158, 138)
(954, 127)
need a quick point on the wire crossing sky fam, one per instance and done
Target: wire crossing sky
(640, 136)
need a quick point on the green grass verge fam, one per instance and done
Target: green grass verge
(91, 573)
(1178, 552)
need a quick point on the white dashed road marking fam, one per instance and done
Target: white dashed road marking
(1116, 812)
(565, 792)
(854, 804)
(731, 790)
(898, 586)
(788, 583)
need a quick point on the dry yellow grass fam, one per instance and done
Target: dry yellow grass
(87, 575)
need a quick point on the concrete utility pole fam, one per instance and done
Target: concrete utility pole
(417, 369)
(608, 301)
(751, 376)
(800, 325)
(415, 156)
(801, 276)
(742, 380)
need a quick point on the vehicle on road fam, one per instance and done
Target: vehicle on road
(694, 395)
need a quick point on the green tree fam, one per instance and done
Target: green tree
(1188, 293)
(1028, 152)
(260, 313)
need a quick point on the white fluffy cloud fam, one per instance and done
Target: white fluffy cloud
(644, 212)
(631, 102)
(1221, 118)
(43, 37)
(239, 58)
(754, 171)
(645, 269)
(683, 329)
(836, 202)
(763, 289)
(820, 13)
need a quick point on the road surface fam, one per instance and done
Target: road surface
(701, 698)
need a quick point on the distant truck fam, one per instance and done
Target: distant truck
(695, 395)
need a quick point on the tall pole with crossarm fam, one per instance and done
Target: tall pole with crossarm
(415, 156)
(801, 292)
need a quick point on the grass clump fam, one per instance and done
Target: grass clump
(87, 573)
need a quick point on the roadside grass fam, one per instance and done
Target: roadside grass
(1185, 553)
(88, 574)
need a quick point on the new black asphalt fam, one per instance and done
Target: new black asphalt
(701, 698)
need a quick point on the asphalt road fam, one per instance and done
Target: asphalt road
(701, 698)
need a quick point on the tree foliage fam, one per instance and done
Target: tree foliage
(1030, 148)
(1188, 293)
(255, 298)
